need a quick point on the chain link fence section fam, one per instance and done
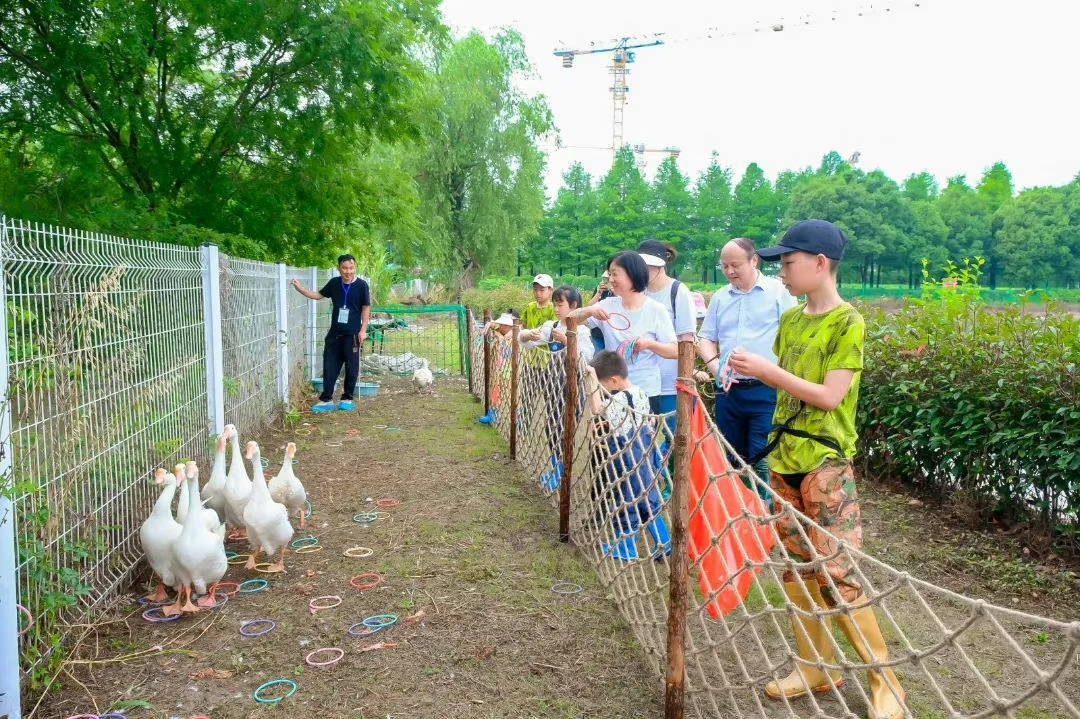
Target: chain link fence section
(249, 336)
(106, 380)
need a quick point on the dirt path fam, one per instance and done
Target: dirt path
(470, 545)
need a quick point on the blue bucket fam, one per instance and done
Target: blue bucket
(367, 389)
(316, 384)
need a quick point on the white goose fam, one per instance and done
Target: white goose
(237, 484)
(423, 377)
(199, 554)
(209, 517)
(213, 492)
(267, 522)
(286, 487)
(158, 534)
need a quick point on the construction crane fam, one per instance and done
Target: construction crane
(640, 151)
(623, 54)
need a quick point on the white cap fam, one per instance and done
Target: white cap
(506, 319)
(652, 260)
(543, 281)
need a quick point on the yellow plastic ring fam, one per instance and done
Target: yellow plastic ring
(358, 552)
(310, 549)
(260, 565)
(239, 559)
(303, 432)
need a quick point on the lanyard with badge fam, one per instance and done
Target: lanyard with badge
(343, 311)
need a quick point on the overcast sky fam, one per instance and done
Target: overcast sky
(949, 87)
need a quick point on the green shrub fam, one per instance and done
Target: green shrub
(976, 405)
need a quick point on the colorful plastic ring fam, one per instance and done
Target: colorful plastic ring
(618, 314)
(231, 555)
(244, 627)
(358, 552)
(364, 631)
(84, 716)
(218, 585)
(237, 559)
(315, 606)
(567, 588)
(387, 502)
(304, 542)
(307, 503)
(328, 662)
(218, 605)
(381, 514)
(150, 615)
(257, 694)
(264, 462)
(380, 426)
(309, 550)
(303, 432)
(29, 618)
(393, 429)
(114, 715)
(260, 568)
(363, 587)
(381, 621)
(365, 517)
(333, 444)
(253, 585)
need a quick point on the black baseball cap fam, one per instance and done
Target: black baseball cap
(818, 237)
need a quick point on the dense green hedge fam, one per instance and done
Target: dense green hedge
(977, 406)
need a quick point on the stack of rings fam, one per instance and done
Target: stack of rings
(252, 585)
(361, 586)
(236, 559)
(380, 621)
(257, 695)
(328, 662)
(316, 604)
(306, 545)
(244, 627)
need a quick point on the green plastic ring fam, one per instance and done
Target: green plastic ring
(365, 517)
(304, 542)
(274, 683)
(259, 585)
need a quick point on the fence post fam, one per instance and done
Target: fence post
(313, 321)
(487, 365)
(515, 380)
(569, 427)
(463, 346)
(468, 346)
(9, 593)
(679, 581)
(215, 368)
(283, 332)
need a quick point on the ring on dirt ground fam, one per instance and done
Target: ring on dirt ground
(317, 604)
(257, 694)
(365, 517)
(358, 552)
(364, 586)
(237, 559)
(382, 621)
(218, 585)
(365, 630)
(327, 662)
(260, 568)
(387, 502)
(254, 585)
(309, 549)
(304, 542)
(245, 625)
(567, 588)
(151, 615)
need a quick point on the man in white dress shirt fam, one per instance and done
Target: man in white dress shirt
(745, 313)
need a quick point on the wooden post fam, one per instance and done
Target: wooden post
(679, 580)
(487, 365)
(569, 427)
(515, 381)
(468, 346)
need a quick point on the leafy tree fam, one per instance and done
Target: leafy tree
(996, 188)
(623, 196)
(480, 170)
(754, 213)
(1033, 239)
(711, 219)
(669, 208)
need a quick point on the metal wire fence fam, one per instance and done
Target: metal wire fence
(120, 356)
(775, 603)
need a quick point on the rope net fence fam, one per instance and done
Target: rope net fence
(785, 617)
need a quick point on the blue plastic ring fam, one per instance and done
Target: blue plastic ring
(111, 715)
(307, 503)
(231, 555)
(365, 517)
(274, 683)
(380, 621)
(304, 542)
(259, 584)
(367, 631)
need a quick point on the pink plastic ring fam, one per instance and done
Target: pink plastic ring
(328, 662)
(315, 606)
(387, 502)
(612, 315)
(29, 617)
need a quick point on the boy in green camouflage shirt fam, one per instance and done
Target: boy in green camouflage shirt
(819, 350)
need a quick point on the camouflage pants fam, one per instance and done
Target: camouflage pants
(827, 496)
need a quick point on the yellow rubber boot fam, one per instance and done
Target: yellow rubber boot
(812, 637)
(861, 619)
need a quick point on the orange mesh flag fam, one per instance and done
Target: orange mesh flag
(725, 572)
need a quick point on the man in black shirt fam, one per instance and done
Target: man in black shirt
(348, 330)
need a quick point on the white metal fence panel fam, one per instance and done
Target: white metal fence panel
(106, 361)
(250, 341)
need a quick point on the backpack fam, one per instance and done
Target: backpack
(674, 293)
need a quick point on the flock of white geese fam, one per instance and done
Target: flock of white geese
(187, 551)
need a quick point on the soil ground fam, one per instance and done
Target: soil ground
(472, 546)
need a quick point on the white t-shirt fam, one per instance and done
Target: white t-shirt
(652, 321)
(623, 420)
(685, 320)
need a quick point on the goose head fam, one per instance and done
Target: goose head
(252, 450)
(290, 450)
(178, 473)
(159, 476)
(221, 440)
(192, 470)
